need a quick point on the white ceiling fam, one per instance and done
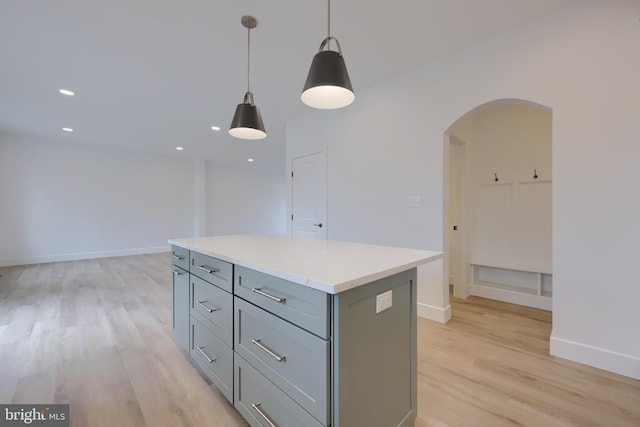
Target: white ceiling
(154, 74)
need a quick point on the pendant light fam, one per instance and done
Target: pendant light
(247, 121)
(328, 85)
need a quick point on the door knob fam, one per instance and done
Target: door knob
(318, 225)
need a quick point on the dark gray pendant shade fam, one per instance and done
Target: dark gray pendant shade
(328, 85)
(247, 121)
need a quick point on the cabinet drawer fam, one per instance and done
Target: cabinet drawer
(213, 356)
(213, 270)
(213, 306)
(292, 358)
(262, 404)
(298, 304)
(180, 257)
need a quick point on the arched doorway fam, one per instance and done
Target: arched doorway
(497, 204)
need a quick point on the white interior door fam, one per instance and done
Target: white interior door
(309, 196)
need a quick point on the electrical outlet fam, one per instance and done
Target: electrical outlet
(384, 301)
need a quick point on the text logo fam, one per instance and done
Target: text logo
(34, 415)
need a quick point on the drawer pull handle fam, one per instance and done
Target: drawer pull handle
(264, 416)
(208, 270)
(210, 360)
(177, 273)
(268, 351)
(209, 309)
(179, 258)
(264, 294)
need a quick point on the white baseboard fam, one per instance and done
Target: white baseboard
(437, 314)
(622, 364)
(82, 255)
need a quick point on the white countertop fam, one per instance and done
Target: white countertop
(326, 265)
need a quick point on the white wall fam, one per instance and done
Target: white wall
(581, 62)
(244, 200)
(62, 201)
(509, 219)
(65, 201)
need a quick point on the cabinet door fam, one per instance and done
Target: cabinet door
(181, 306)
(305, 307)
(263, 404)
(180, 257)
(214, 307)
(213, 270)
(213, 357)
(293, 359)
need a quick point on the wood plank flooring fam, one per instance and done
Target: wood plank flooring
(97, 334)
(490, 365)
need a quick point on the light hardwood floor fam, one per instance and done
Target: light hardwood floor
(97, 334)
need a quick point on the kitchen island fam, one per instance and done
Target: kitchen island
(301, 332)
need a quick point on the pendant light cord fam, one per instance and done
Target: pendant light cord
(329, 23)
(248, 56)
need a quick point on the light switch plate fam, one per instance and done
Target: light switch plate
(384, 301)
(414, 202)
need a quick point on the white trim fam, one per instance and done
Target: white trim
(513, 297)
(437, 314)
(507, 265)
(622, 364)
(82, 255)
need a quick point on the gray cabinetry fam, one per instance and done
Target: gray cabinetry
(303, 306)
(374, 375)
(180, 289)
(289, 356)
(213, 356)
(211, 319)
(214, 307)
(213, 270)
(341, 359)
(262, 404)
(285, 354)
(180, 257)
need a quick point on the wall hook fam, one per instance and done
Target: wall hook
(496, 179)
(535, 174)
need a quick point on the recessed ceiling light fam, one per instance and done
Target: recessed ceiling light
(216, 128)
(179, 148)
(67, 129)
(250, 160)
(66, 92)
